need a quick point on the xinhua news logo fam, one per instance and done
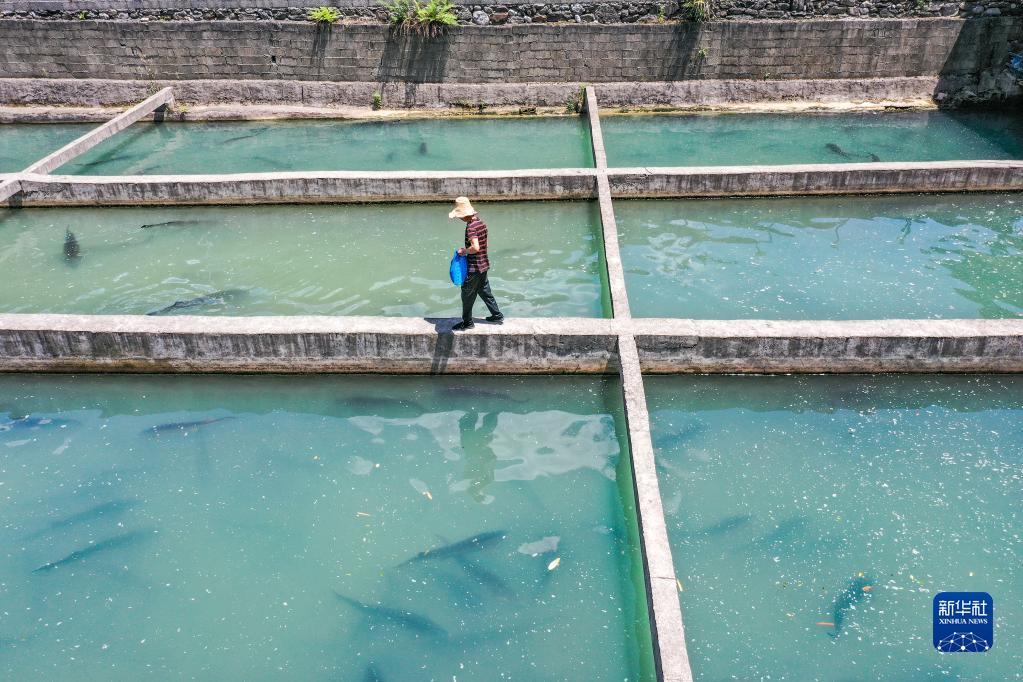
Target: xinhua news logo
(964, 622)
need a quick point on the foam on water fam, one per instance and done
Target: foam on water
(920, 256)
(240, 514)
(429, 144)
(783, 494)
(373, 259)
(765, 139)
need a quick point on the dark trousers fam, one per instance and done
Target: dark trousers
(477, 285)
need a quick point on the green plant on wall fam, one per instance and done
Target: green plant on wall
(324, 15)
(428, 20)
(696, 10)
(701, 54)
(921, 4)
(378, 100)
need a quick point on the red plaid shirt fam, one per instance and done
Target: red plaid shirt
(477, 229)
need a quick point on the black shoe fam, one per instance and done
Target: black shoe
(462, 326)
(496, 319)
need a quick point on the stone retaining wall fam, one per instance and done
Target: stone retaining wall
(506, 54)
(508, 12)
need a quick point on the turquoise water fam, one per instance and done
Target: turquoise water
(782, 492)
(371, 259)
(22, 144)
(226, 515)
(429, 144)
(755, 139)
(937, 256)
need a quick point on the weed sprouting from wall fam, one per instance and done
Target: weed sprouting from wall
(324, 15)
(696, 10)
(428, 20)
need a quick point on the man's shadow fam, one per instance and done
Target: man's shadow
(445, 343)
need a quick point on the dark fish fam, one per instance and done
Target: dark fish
(672, 441)
(473, 544)
(482, 575)
(857, 591)
(422, 148)
(115, 542)
(406, 619)
(34, 423)
(216, 298)
(835, 149)
(390, 156)
(240, 138)
(114, 508)
(71, 249)
(874, 157)
(170, 223)
(785, 533)
(726, 525)
(184, 426)
(372, 674)
(109, 159)
(468, 391)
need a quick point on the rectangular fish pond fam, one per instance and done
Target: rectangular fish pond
(769, 139)
(813, 519)
(923, 256)
(350, 259)
(22, 144)
(405, 145)
(318, 528)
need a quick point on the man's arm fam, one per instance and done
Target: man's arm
(474, 247)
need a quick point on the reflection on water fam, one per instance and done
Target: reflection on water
(22, 144)
(938, 256)
(814, 519)
(383, 259)
(357, 528)
(238, 147)
(764, 139)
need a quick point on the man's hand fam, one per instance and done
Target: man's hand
(461, 252)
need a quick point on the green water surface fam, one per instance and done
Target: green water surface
(937, 256)
(767, 139)
(428, 144)
(782, 493)
(22, 144)
(371, 259)
(268, 528)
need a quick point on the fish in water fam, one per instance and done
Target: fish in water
(874, 157)
(473, 544)
(115, 542)
(422, 148)
(216, 298)
(183, 426)
(466, 391)
(787, 532)
(170, 223)
(726, 525)
(482, 575)
(239, 138)
(372, 674)
(109, 159)
(858, 590)
(33, 423)
(835, 149)
(71, 249)
(406, 619)
(113, 508)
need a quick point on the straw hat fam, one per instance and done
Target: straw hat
(463, 209)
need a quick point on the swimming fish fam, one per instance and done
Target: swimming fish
(422, 148)
(240, 137)
(482, 575)
(170, 223)
(115, 542)
(835, 149)
(183, 426)
(858, 590)
(113, 508)
(71, 249)
(725, 525)
(406, 619)
(874, 157)
(216, 298)
(785, 533)
(473, 544)
(372, 674)
(109, 159)
(671, 441)
(33, 423)
(466, 391)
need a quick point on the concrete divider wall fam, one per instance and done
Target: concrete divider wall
(267, 50)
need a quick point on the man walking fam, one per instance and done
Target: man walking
(475, 251)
